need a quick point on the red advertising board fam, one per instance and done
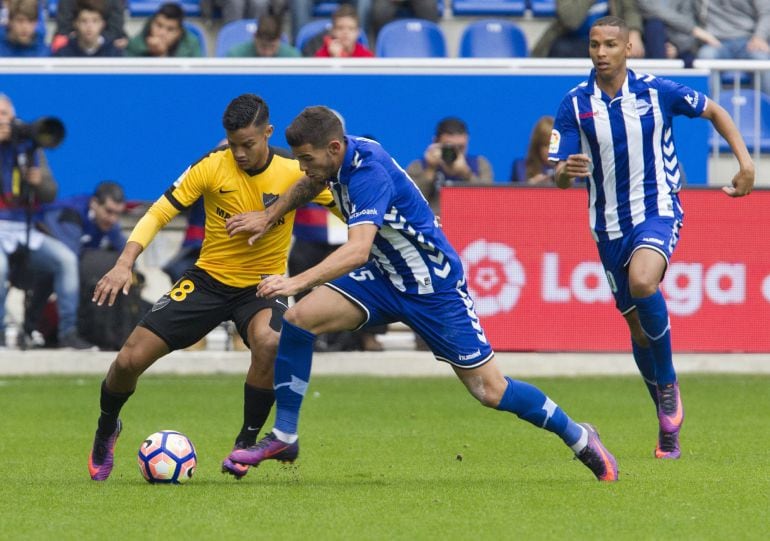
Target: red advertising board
(537, 282)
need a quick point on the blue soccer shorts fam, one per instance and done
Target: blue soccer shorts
(446, 320)
(658, 233)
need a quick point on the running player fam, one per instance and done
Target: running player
(616, 130)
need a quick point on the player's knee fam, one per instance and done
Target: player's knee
(485, 393)
(296, 316)
(264, 340)
(642, 286)
(126, 368)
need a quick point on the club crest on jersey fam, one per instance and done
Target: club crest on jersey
(643, 107)
(553, 146)
(268, 199)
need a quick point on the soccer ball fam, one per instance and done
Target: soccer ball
(167, 456)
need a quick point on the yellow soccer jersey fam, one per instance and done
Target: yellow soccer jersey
(228, 190)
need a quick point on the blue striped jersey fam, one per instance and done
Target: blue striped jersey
(410, 248)
(630, 141)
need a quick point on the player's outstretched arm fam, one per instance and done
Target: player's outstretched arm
(351, 255)
(576, 165)
(118, 278)
(743, 181)
(258, 223)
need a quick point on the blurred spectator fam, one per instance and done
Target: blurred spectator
(385, 11)
(342, 40)
(111, 10)
(266, 42)
(742, 28)
(22, 37)
(165, 35)
(567, 36)
(24, 251)
(302, 13)
(671, 30)
(85, 224)
(535, 169)
(234, 10)
(447, 160)
(87, 38)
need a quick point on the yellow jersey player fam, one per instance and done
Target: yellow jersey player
(244, 176)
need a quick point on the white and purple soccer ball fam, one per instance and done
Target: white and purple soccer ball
(167, 457)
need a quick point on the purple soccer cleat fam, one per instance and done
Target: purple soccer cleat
(597, 458)
(268, 448)
(670, 417)
(668, 445)
(233, 468)
(100, 459)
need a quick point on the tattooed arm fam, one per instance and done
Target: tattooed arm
(257, 223)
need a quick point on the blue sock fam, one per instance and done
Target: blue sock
(292, 373)
(531, 404)
(653, 316)
(646, 365)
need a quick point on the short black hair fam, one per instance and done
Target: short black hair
(451, 125)
(611, 20)
(244, 111)
(268, 28)
(108, 189)
(316, 126)
(171, 10)
(90, 5)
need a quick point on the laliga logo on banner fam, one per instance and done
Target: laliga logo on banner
(495, 276)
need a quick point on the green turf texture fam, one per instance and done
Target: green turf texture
(390, 458)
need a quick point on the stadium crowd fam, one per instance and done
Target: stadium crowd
(685, 29)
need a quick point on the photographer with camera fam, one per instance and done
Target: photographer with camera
(447, 160)
(25, 251)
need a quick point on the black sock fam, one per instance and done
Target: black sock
(110, 403)
(256, 407)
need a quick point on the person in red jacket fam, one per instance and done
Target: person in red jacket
(342, 41)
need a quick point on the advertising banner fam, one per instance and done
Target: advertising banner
(538, 285)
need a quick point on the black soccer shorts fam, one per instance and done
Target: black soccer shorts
(198, 303)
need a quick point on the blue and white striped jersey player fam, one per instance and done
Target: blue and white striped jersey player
(616, 130)
(397, 265)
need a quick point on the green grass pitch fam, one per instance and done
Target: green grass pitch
(387, 458)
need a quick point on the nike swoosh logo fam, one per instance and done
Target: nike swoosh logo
(226, 191)
(252, 429)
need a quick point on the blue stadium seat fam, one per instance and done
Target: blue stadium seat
(411, 38)
(740, 106)
(745, 78)
(325, 8)
(234, 33)
(512, 8)
(198, 33)
(493, 38)
(543, 8)
(313, 28)
(145, 8)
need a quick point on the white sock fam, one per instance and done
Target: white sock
(284, 437)
(581, 443)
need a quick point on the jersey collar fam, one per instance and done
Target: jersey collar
(593, 89)
(254, 172)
